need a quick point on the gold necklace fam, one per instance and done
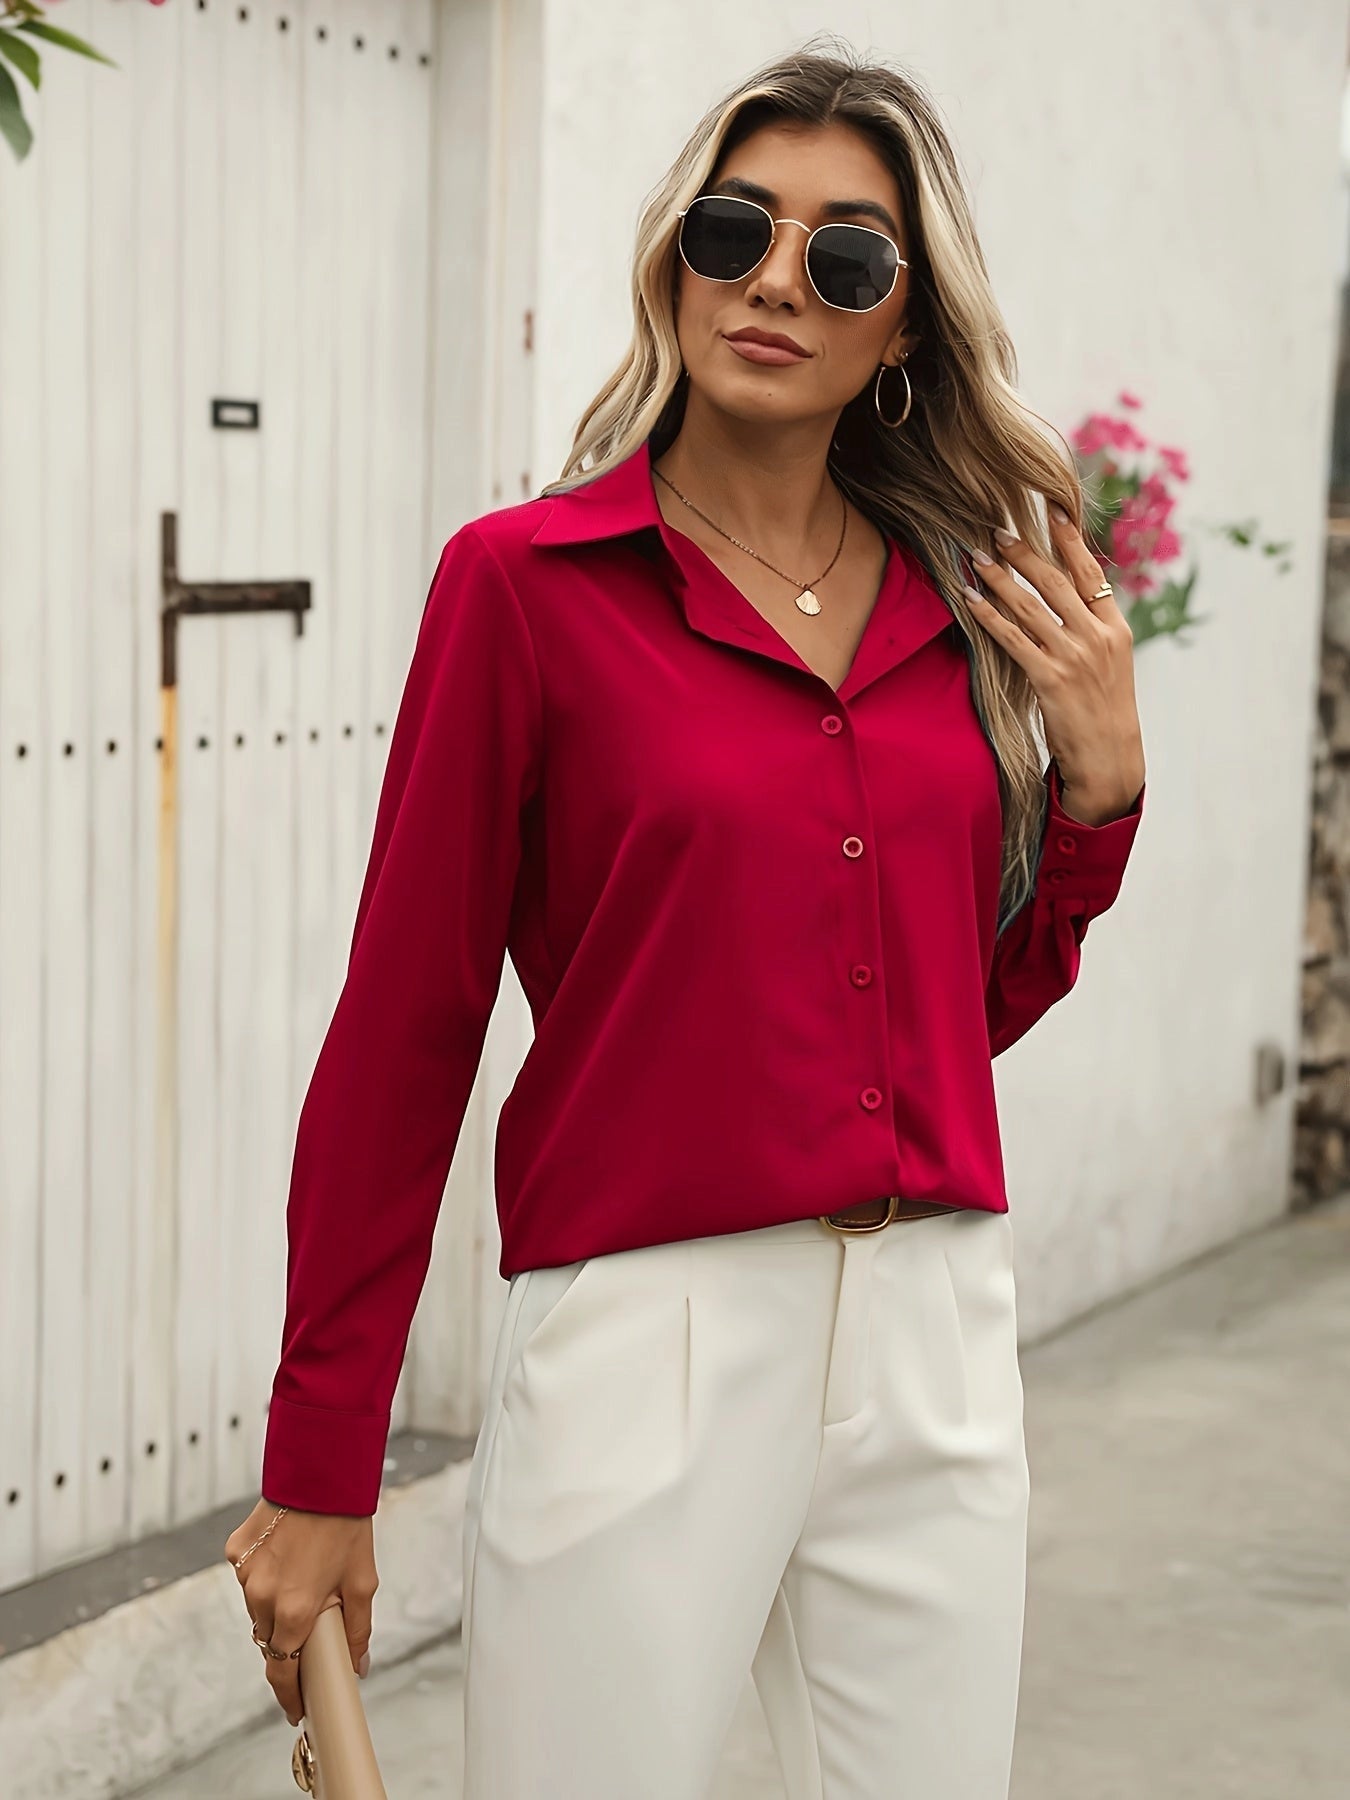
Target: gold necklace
(806, 600)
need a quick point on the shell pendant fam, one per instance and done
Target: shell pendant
(807, 602)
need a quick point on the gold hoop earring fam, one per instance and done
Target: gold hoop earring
(892, 424)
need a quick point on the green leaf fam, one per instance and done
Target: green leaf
(1165, 613)
(14, 128)
(66, 41)
(1141, 623)
(23, 56)
(1241, 532)
(1116, 489)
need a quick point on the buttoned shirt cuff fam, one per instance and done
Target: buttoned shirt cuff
(1081, 861)
(317, 1459)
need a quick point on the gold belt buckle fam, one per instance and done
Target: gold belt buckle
(857, 1228)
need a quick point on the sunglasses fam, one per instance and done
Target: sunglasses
(851, 267)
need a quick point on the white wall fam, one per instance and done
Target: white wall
(1157, 194)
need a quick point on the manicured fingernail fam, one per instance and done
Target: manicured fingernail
(1005, 537)
(981, 556)
(972, 595)
(363, 1667)
(1058, 514)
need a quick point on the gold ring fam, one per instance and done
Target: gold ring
(1104, 592)
(264, 1644)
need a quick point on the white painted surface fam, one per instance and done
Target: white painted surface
(240, 211)
(22, 882)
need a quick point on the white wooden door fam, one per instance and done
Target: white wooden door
(240, 212)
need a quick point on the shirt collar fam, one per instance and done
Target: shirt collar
(620, 500)
(623, 500)
(909, 609)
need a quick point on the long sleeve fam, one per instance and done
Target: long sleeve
(386, 1099)
(1036, 957)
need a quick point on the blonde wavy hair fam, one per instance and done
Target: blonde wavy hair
(972, 455)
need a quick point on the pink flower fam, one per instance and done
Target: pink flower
(1098, 431)
(1140, 537)
(1125, 437)
(1090, 437)
(1140, 533)
(1132, 581)
(1154, 490)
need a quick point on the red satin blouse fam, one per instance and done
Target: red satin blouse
(754, 918)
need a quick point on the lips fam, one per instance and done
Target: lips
(765, 347)
(751, 334)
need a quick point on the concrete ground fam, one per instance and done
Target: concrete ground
(1188, 1609)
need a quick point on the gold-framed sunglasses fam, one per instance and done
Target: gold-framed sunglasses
(851, 267)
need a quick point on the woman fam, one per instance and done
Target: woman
(720, 740)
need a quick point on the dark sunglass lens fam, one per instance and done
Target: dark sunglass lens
(723, 239)
(851, 267)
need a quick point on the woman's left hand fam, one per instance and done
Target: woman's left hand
(1079, 656)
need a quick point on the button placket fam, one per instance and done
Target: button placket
(861, 974)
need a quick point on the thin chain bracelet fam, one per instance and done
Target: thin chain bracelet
(239, 1561)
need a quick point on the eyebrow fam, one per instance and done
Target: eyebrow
(834, 209)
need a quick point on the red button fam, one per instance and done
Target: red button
(832, 723)
(860, 974)
(853, 846)
(1067, 844)
(871, 1098)
(1056, 874)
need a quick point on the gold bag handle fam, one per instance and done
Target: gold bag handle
(333, 1758)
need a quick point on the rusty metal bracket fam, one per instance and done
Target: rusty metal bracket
(182, 599)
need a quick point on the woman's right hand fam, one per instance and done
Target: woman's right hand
(293, 1575)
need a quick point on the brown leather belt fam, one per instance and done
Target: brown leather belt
(876, 1215)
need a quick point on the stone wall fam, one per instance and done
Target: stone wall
(1322, 1131)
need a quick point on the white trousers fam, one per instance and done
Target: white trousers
(782, 1452)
